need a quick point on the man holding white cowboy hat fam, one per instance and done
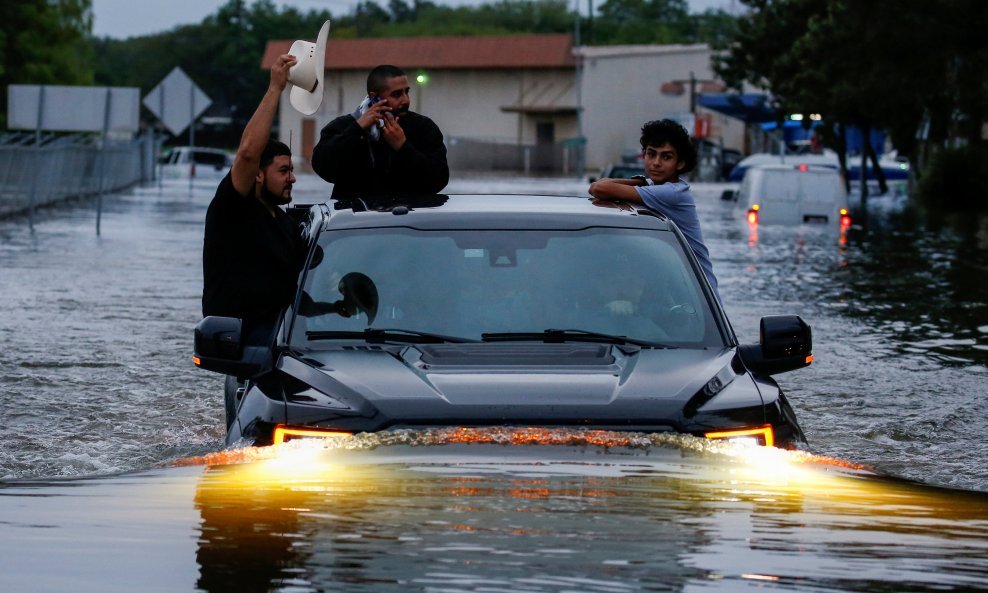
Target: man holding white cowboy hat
(252, 249)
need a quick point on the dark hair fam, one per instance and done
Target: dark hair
(667, 131)
(377, 79)
(273, 149)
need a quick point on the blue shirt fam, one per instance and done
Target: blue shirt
(675, 200)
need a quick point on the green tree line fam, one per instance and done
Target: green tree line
(223, 52)
(44, 42)
(50, 41)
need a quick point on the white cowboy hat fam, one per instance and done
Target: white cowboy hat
(306, 76)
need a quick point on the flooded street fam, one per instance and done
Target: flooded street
(673, 516)
(110, 472)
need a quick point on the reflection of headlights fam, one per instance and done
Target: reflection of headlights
(763, 436)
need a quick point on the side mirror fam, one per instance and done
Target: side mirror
(786, 344)
(729, 195)
(219, 347)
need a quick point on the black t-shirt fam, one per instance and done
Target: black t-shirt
(250, 260)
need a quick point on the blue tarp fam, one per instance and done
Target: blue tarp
(794, 131)
(749, 107)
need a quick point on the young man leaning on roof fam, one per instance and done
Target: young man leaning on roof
(668, 154)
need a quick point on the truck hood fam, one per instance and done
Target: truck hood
(526, 383)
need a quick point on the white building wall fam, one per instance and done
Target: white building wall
(463, 103)
(620, 88)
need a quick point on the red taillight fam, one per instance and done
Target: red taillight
(753, 216)
(803, 168)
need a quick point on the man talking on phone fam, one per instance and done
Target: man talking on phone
(382, 148)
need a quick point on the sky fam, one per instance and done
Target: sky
(130, 18)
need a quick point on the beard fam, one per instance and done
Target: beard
(272, 199)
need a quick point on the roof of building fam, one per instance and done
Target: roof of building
(624, 51)
(489, 51)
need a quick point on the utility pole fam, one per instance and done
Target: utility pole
(581, 147)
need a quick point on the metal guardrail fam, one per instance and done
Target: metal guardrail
(41, 171)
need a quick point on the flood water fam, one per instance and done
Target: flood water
(110, 476)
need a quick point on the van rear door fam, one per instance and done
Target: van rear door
(780, 201)
(821, 196)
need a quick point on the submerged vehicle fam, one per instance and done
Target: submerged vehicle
(184, 162)
(793, 195)
(503, 310)
(894, 167)
(620, 172)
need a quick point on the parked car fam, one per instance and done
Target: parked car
(633, 156)
(503, 310)
(621, 171)
(196, 162)
(793, 194)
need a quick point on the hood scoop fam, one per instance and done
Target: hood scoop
(535, 354)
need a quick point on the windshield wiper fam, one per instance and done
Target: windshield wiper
(568, 335)
(373, 334)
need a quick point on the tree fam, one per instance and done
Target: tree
(44, 42)
(715, 27)
(869, 64)
(643, 21)
(222, 54)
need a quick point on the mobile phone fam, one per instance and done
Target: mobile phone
(375, 100)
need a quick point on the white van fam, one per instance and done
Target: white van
(792, 195)
(183, 162)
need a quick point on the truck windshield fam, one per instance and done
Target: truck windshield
(466, 283)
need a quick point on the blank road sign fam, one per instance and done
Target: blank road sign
(177, 101)
(73, 108)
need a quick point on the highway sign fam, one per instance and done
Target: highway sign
(177, 101)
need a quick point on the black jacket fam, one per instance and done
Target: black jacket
(357, 166)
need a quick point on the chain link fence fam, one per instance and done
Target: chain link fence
(37, 171)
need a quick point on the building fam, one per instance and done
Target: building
(512, 102)
(623, 86)
(483, 92)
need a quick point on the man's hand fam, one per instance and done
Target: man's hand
(279, 71)
(392, 132)
(373, 115)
